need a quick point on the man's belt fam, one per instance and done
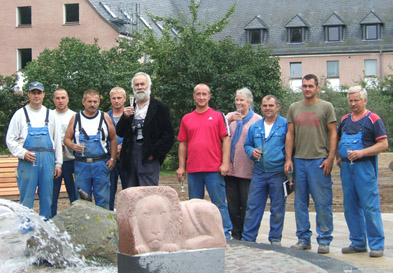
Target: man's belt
(41, 150)
(91, 159)
(363, 159)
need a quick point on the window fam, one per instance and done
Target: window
(24, 16)
(333, 33)
(255, 36)
(296, 35)
(71, 13)
(24, 56)
(371, 27)
(295, 70)
(256, 31)
(334, 27)
(370, 68)
(372, 32)
(332, 69)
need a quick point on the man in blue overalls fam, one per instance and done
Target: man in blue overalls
(91, 135)
(34, 136)
(362, 137)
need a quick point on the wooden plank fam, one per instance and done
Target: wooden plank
(15, 191)
(12, 184)
(7, 170)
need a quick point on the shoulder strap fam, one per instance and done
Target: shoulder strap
(100, 130)
(78, 120)
(81, 130)
(26, 115)
(365, 120)
(47, 117)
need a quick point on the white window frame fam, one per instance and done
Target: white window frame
(65, 14)
(20, 57)
(19, 16)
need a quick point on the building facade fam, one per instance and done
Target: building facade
(27, 27)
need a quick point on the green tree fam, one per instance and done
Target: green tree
(182, 60)
(77, 67)
(11, 101)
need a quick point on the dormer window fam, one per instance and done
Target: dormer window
(256, 31)
(334, 29)
(296, 30)
(296, 35)
(372, 32)
(371, 27)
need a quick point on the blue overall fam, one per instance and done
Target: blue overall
(361, 195)
(29, 177)
(93, 177)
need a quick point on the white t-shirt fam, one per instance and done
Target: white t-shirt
(17, 131)
(268, 128)
(90, 125)
(64, 119)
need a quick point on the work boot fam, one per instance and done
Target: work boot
(351, 250)
(301, 246)
(375, 253)
(323, 249)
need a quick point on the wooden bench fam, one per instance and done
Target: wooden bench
(8, 184)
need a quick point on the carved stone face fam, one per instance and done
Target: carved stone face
(153, 219)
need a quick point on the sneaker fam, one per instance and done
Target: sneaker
(301, 246)
(275, 243)
(351, 250)
(376, 253)
(323, 249)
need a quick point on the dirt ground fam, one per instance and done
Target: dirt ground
(385, 188)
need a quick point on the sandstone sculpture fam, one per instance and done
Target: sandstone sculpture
(152, 219)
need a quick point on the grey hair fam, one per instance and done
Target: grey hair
(144, 74)
(357, 89)
(245, 91)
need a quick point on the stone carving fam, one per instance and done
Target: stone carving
(202, 225)
(153, 219)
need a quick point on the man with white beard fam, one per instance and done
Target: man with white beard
(147, 133)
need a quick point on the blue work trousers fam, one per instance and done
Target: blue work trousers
(264, 185)
(30, 177)
(94, 177)
(309, 179)
(67, 170)
(215, 186)
(361, 204)
(115, 173)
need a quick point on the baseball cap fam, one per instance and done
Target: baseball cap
(36, 85)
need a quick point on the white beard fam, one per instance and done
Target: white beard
(142, 96)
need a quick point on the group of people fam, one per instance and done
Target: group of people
(305, 145)
(86, 148)
(242, 158)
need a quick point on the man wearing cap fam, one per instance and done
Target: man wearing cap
(148, 134)
(34, 137)
(92, 137)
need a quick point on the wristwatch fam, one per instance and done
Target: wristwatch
(111, 159)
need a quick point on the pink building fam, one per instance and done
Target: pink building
(27, 27)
